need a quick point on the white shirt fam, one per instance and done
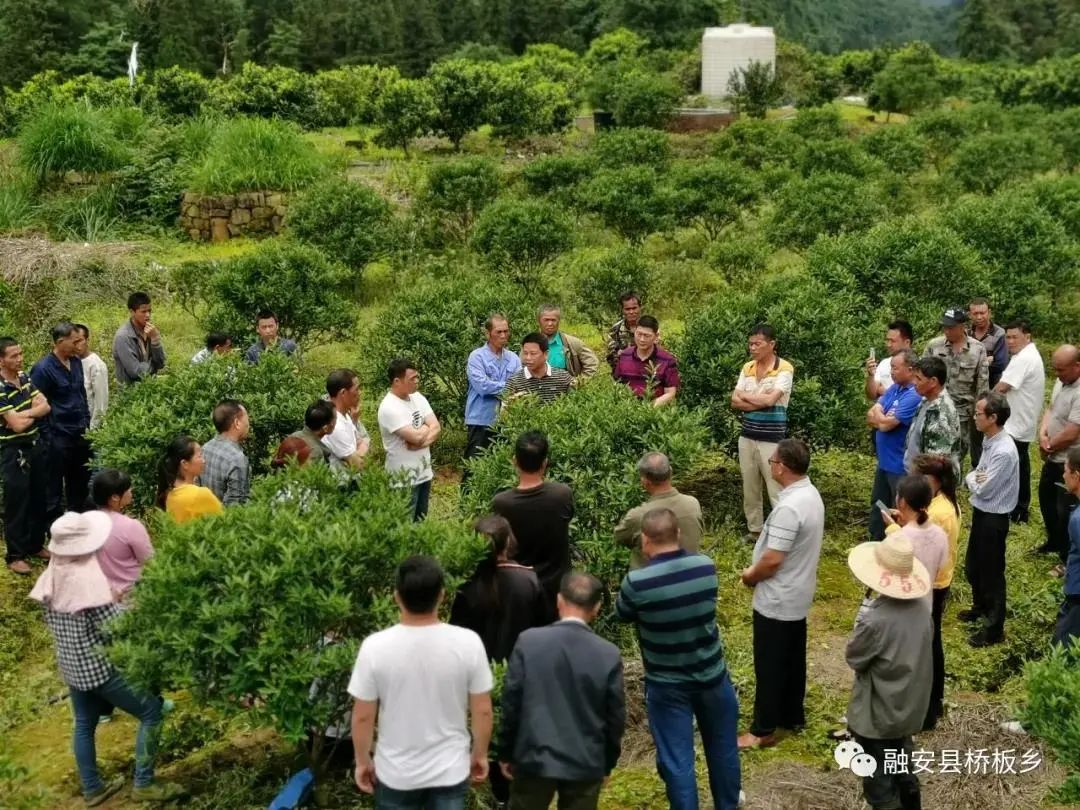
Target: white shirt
(883, 375)
(340, 443)
(1027, 376)
(96, 382)
(422, 678)
(394, 414)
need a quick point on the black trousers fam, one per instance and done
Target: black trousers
(1055, 503)
(68, 486)
(1023, 503)
(985, 567)
(536, 793)
(890, 791)
(25, 480)
(780, 675)
(478, 437)
(1068, 624)
(937, 686)
(884, 490)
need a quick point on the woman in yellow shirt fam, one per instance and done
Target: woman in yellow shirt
(178, 494)
(945, 512)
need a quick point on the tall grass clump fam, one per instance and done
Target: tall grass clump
(67, 138)
(16, 201)
(253, 153)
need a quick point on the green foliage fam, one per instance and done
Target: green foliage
(631, 201)
(817, 331)
(986, 162)
(755, 144)
(16, 203)
(177, 92)
(754, 89)
(346, 219)
(1060, 197)
(405, 110)
(269, 92)
(644, 99)
(1030, 255)
(599, 276)
(246, 154)
(838, 156)
(712, 194)
(820, 123)
(557, 175)
(624, 147)
(69, 138)
(1052, 712)
(910, 81)
(463, 93)
(351, 94)
(456, 192)
(740, 258)
(522, 236)
(296, 281)
(521, 105)
(901, 148)
(824, 203)
(436, 323)
(597, 434)
(280, 596)
(148, 416)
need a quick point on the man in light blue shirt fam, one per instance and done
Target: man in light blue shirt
(995, 489)
(489, 367)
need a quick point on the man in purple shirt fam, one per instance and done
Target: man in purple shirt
(645, 367)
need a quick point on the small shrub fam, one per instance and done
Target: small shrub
(1060, 197)
(600, 276)
(1053, 711)
(712, 194)
(740, 258)
(69, 138)
(839, 156)
(268, 92)
(346, 219)
(901, 148)
(176, 92)
(822, 204)
(146, 417)
(754, 89)
(351, 94)
(637, 147)
(557, 175)
(986, 162)
(457, 191)
(463, 93)
(644, 99)
(522, 236)
(247, 154)
(631, 200)
(755, 144)
(405, 110)
(819, 123)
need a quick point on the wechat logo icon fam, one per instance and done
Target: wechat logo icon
(849, 754)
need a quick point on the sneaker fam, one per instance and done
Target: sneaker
(742, 799)
(20, 567)
(158, 792)
(1058, 571)
(969, 616)
(111, 789)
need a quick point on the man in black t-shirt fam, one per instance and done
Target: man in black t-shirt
(539, 512)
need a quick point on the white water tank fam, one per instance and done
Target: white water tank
(725, 50)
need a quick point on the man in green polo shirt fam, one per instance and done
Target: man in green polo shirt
(22, 460)
(565, 351)
(655, 472)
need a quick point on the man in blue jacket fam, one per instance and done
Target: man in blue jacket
(489, 367)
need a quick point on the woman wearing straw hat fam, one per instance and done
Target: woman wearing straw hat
(890, 651)
(78, 604)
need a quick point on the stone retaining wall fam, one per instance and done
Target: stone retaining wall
(218, 217)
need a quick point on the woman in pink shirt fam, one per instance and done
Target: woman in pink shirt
(913, 497)
(128, 547)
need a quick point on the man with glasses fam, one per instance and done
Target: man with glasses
(761, 395)
(784, 578)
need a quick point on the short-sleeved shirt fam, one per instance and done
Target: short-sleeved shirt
(796, 526)
(767, 424)
(1064, 409)
(317, 451)
(1026, 377)
(65, 388)
(883, 374)
(189, 501)
(548, 388)
(422, 677)
(660, 369)
(900, 402)
(17, 398)
(125, 552)
(556, 352)
(968, 372)
(340, 443)
(396, 413)
(227, 473)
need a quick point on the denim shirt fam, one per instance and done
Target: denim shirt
(1072, 568)
(488, 374)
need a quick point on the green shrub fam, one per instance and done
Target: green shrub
(644, 99)
(457, 191)
(522, 237)
(1029, 255)
(630, 201)
(436, 322)
(151, 184)
(818, 331)
(1064, 130)
(1060, 197)
(754, 89)
(404, 110)
(600, 275)
(246, 154)
(944, 130)
(268, 92)
(557, 175)
(740, 258)
(351, 94)
(632, 147)
(90, 214)
(597, 435)
(297, 282)
(826, 203)
(463, 94)
(520, 106)
(756, 144)
(819, 124)
(176, 92)
(246, 612)
(1053, 711)
(146, 417)
(712, 194)
(839, 156)
(346, 219)
(901, 148)
(69, 138)
(986, 162)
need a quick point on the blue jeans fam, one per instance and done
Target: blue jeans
(89, 706)
(437, 798)
(671, 711)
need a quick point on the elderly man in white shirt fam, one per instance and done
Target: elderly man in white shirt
(1024, 385)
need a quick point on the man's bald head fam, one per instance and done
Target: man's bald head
(1066, 361)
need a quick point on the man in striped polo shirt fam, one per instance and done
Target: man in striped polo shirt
(536, 375)
(672, 601)
(762, 395)
(22, 460)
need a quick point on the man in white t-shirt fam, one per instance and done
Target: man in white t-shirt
(898, 336)
(1024, 384)
(348, 443)
(408, 428)
(421, 677)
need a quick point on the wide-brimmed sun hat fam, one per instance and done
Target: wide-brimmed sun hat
(74, 534)
(890, 568)
(74, 580)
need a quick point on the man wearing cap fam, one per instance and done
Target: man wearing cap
(968, 374)
(890, 652)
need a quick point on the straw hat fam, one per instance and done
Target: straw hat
(74, 580)
(890, 568)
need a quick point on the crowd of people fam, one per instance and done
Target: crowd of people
(973, 399)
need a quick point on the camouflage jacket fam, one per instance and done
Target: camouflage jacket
(935, 429)
(969, 372)
(619, 337)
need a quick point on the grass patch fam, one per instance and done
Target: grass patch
(70, 138)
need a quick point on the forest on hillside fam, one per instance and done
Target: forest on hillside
(216, 36)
